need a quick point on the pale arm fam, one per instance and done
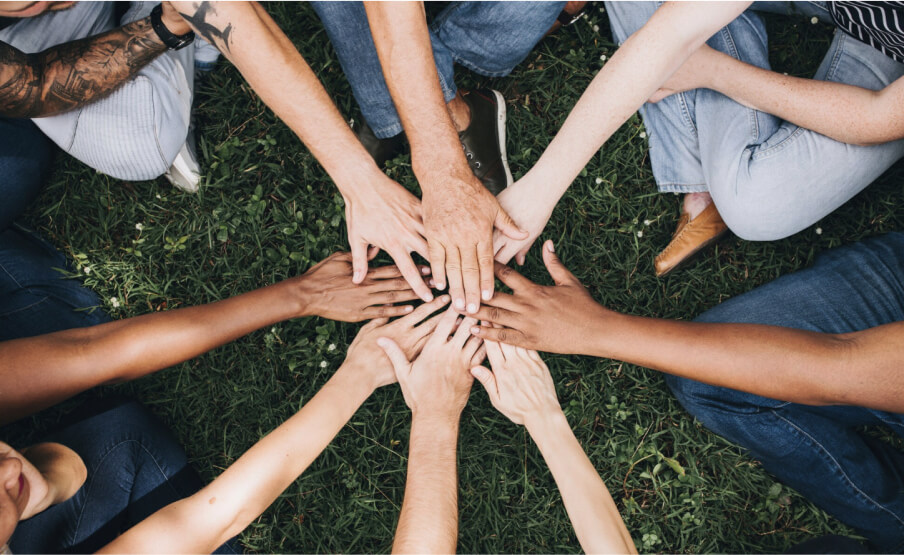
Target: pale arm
(428, 522)
(379, 211)
(204, 521)
(637, 69)
(842, 112)
(596, 520)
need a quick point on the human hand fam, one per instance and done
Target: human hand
(520, 386)
(459, 217)
(327, 290)
(560, 319)
(388, 217)
(437, 382)
(693, 74)
(525, 207)
(409, 333)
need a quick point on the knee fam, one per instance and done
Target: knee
(759, 219)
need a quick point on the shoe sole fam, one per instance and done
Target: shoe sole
(691, 255)
(500, 136)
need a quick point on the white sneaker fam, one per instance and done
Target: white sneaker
(206, 55)
(185, 174)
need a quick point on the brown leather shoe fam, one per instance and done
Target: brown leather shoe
(690, 238)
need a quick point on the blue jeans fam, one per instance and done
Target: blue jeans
(489, 38)
(35, 297)
(768, 178)
(25, 155)
(818, 450)
(135, 467)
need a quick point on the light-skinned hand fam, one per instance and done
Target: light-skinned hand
(437, 382)
(519, 386)
(387, 217)
(410, 334)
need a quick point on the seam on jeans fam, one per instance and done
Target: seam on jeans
(390, 131)
(733, 47)
(682, 188)
(5, 271)
(78, 520)
(838, 468)
(166, 164)
(688, 120)
(24, 308)
(480, 70)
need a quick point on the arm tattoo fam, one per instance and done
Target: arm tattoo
(199, 20)
(75, 73)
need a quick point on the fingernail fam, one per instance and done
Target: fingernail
(431, 283)
(472, 308)
(429, 297)
(382, 341)
(486, 295)
(478, 372)
(444, 299)
(409, 308)
(459, 304)
(425, 271)
(475, 330)
(550, 247)
(356, 275)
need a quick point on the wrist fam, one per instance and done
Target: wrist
(436, 418)
(173, 21)
(356, 378)
(546, 423)
(597, 333)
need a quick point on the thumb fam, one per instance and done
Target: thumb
(507, 226)
(557, 270)
(396, 355)
(359, 261)
(488, 381)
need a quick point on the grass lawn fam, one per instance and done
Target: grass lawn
(267, 211)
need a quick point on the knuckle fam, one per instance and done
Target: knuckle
(494, 313)
(382, 312)
(391, 296)
(503, 336)
(485, 260)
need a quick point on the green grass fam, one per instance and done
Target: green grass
(267, 211)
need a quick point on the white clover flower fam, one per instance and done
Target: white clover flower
(603, 58)
(818, 231)
(647, 222)
(643, 134)
(332, 347)
(598, 180)
(273, 330)
(639, 234)
(139, 226)
(596, 28)
(158, 195)
(323, 364)
(602, 10)
(87, 270)
(114, 302)
(814, 20)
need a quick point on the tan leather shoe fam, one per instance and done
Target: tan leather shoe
(690, 237)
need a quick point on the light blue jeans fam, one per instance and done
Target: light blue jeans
(489, 38)
(136, 132)
(768, 178)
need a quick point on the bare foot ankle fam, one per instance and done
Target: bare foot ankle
(694, 203)
(460, 112)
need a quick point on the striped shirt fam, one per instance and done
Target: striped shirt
(878, 24)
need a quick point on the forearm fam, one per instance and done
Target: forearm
(37, 372)
(780, 363)
(403, 45)
(75, 73)
(271, 64)
(842, 112)
(204, 521)
(428, 522)
(596, 520)
(645, 61)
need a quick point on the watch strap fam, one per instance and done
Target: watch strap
(173, 42)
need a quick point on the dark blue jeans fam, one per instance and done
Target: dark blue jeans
(135, 467)
(819, 451)
(35, 298)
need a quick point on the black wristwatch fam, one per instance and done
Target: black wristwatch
(173, 42)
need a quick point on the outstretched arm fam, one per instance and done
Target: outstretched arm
(459, 212)
(436, 387)
(861, 368)
(202, 522)
(645, 61)
(378, 211)
(521, 388)
(842, 112)
(37, 372)
(76, 73)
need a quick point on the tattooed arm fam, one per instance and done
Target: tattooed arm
(76, 73)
